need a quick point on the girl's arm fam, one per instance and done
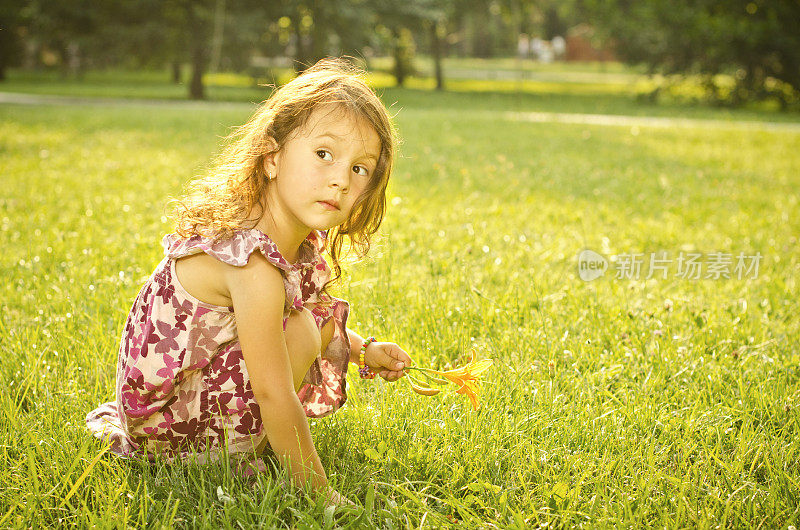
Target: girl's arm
(355, 345)
(386, 359)
(258, 297)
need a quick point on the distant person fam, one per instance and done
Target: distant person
(559, 47)
(523, 45)
(234, 339)
(537, 47)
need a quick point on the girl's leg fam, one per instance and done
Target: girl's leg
(304, 342)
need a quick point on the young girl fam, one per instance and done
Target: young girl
(234, 340)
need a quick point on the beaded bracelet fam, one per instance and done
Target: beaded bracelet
(363, 369)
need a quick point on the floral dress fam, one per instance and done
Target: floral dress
(182, 384)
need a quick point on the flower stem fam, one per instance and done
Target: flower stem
(426, 372)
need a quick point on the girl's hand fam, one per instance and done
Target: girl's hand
(387, 359)
(333, 498)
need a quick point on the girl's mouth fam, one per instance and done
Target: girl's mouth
(329, 205)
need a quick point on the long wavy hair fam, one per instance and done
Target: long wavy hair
(234, 190)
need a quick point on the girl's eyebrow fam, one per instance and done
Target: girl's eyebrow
(330, 135)
(338, 137)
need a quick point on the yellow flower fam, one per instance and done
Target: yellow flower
(466, 378)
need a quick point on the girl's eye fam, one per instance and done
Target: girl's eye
(356, 168)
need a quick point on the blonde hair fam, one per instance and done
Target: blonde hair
(221, 202)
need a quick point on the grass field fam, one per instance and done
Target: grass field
(617, 402)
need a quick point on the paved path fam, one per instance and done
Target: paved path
(537, 117)
(47, 99)
(648, 121)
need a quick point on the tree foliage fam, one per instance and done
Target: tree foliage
(756, 41)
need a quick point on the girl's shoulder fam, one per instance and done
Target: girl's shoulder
(236, 250)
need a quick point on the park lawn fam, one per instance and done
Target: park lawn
(661, 402)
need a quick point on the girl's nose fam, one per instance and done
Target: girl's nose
(341, 179)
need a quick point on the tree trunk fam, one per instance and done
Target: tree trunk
(198, 30)
(196, 88)
(176, 71)
(481, 44)
(399, 60)
(216, 40)
(6, 45)
(460, 22)
(319, 34)
(301, 53)
(63, 58)
(436, 49)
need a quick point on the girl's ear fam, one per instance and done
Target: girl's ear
(271, 158)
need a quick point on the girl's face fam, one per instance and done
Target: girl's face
(322, 170)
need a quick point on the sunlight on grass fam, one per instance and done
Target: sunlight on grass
(611, 403)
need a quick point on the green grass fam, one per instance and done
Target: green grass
(604, 407)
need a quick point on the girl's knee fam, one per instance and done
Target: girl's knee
(326, 334)
(302, 334)
(305, 341)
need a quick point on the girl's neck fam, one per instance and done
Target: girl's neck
(287, 239)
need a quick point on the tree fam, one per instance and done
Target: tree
(10, 19)
(437, 29)
(66, 28)
(399, 18)
(757, 41)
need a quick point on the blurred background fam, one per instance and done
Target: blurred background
(721, 52)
